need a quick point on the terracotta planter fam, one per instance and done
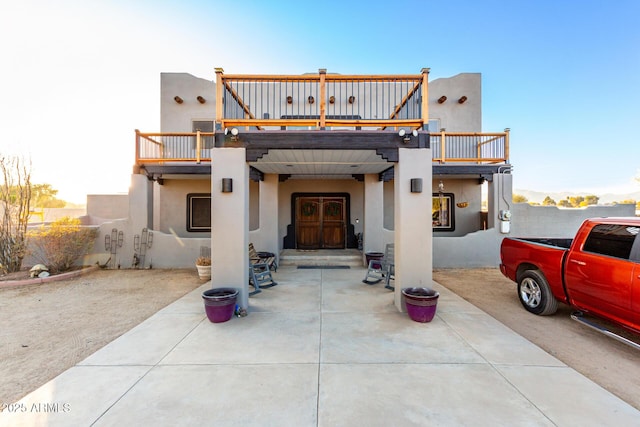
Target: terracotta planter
(220, 303)
(421, 303)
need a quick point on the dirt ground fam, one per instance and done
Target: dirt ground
(47, 328)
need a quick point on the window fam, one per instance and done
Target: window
(442, 215)
(203, 126)
(611, 239)
(199, 212)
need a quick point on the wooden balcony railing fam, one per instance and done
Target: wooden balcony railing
(446, 147)
(186, 147)
(480, 148)
(322, 101)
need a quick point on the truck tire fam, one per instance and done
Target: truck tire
(535, 294)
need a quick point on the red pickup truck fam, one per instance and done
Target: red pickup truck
(597, 272)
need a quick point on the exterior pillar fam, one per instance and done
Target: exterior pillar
(140, 197)
(230, 222)
(269, 215)
(373, 214)
(413, 225)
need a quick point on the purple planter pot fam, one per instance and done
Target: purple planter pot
(220, 303)
(421, 303)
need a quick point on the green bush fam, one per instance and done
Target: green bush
(60, 245)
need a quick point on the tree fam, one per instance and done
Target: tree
(564, 203)
(15, 197)
(61, 244)
(44, 196)
(575, 201)
(519, 198)
(591, 200)
(548, 201)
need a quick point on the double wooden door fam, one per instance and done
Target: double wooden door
(320, 222)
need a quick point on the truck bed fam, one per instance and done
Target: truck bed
(564, 243)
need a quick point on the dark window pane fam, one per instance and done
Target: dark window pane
(611, 240)
(199, 212)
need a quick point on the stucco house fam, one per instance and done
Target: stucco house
(320, 163)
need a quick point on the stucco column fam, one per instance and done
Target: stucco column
(373, 214)
(230, 222)
(413, 228)
(269, 215)
(139, 198)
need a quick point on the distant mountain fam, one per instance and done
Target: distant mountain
(539, 196)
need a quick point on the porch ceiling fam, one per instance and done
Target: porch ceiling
(321, 163)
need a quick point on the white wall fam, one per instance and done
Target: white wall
(108, 206)
(455, 117)
(171, 205)
(482, 248)
(176, 117)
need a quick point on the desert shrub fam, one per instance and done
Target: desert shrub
(60, 245)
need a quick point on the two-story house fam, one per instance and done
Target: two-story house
(321, 161)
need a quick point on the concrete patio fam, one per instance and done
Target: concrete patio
(320, 349)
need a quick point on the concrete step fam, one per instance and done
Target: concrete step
(337, 257)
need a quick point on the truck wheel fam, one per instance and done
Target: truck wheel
(535, 294)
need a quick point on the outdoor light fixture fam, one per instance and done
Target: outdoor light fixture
(311, 100)
(289, 99)
(201, 100)
(406, 137)
(462, 100)
(442, 99)
(233, 132)
(351, 99)
(227, 185)
(416, 185)
(178, 99)
(332, 99)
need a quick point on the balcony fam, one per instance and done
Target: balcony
(322, 101)
(276, 113)
(446, 147)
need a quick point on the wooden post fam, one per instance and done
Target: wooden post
(198, 146)
(219, 94)
(506, 144)
(323, 96)
(425, 98)
(442, 145)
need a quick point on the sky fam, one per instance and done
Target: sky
(78, 77)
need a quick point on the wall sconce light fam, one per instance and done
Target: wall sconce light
(227, 185)
(416, 185)
(406, 137)
(311, 99)
(289, 99)
(332, 99)
(201, 100)
(442, 99)
(178, 99)
(351, 99)
(462, 100)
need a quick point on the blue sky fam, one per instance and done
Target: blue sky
(78, 77)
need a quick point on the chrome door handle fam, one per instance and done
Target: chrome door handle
(578, 262)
